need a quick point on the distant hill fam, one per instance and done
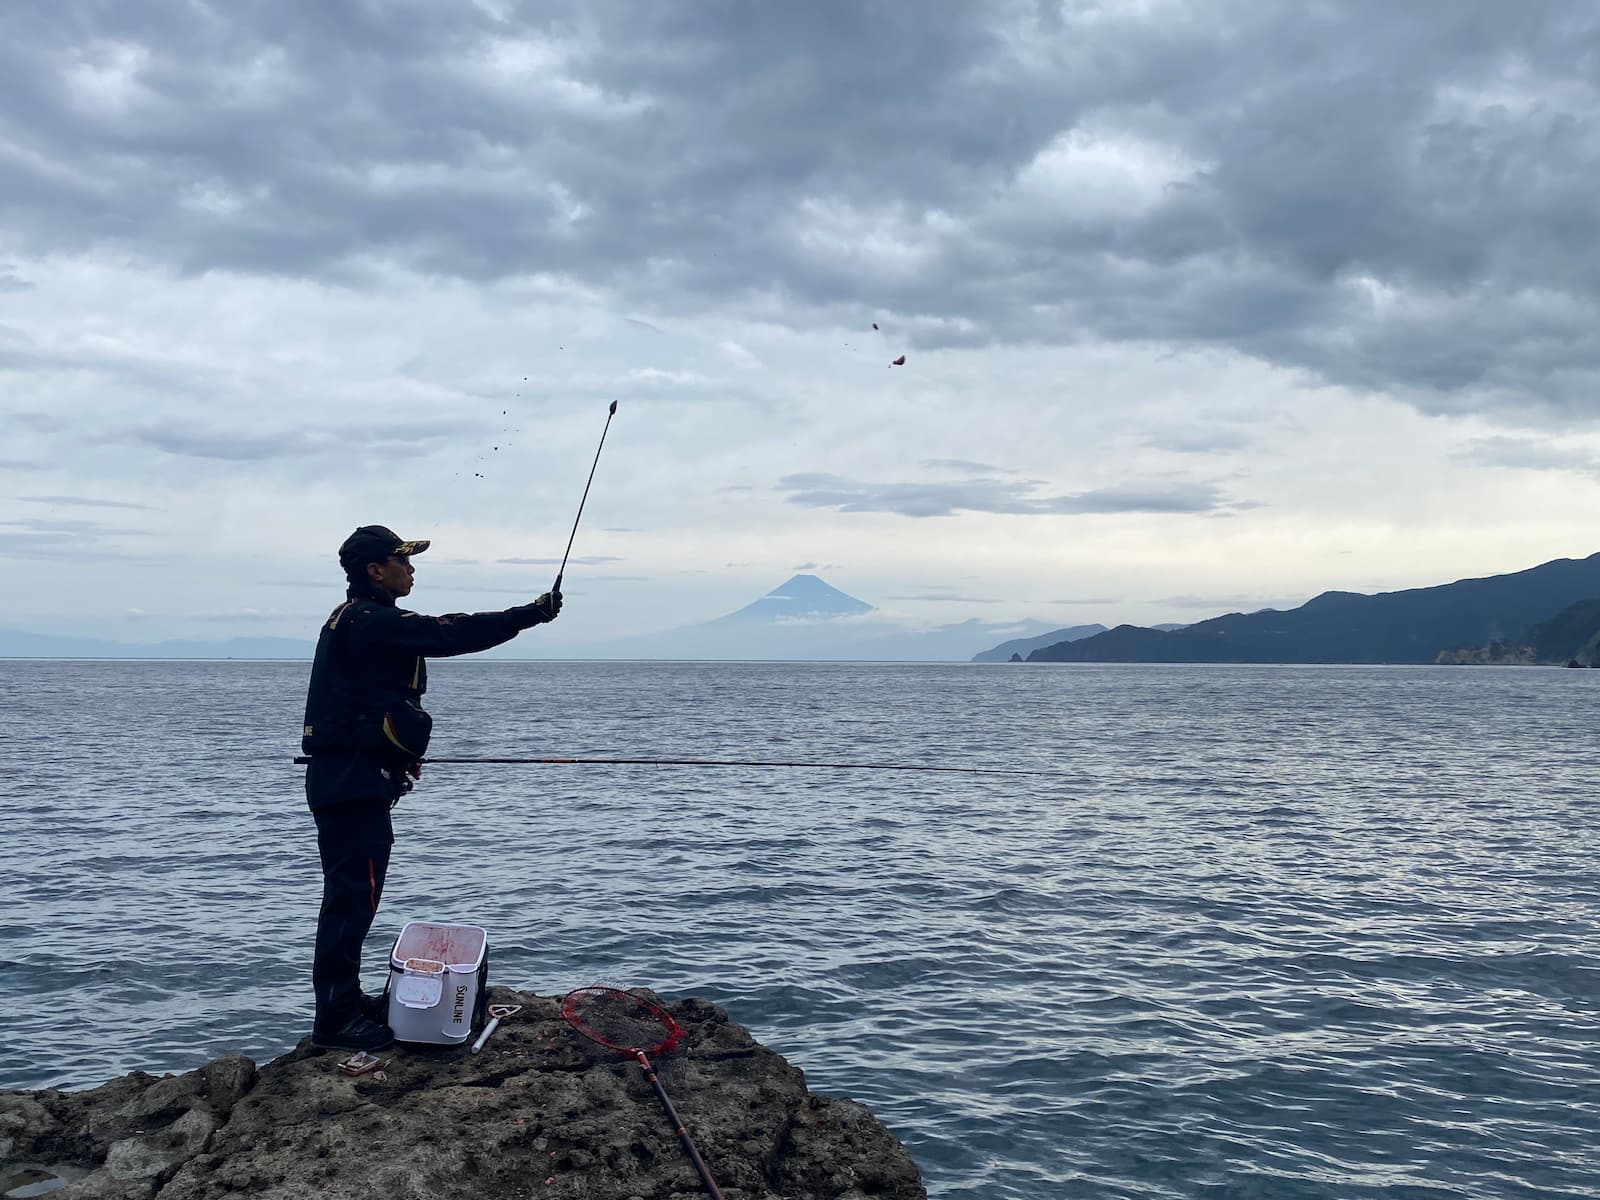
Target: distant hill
(1568, 635)
(1018, 649)
(1410, 626)
(15, 643)
(1025, 646)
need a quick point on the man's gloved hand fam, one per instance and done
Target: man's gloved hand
(542, 610)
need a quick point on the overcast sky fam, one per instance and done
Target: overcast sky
(1203, 305)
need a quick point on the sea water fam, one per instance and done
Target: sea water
(1250, 931)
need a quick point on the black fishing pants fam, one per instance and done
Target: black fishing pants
(353, 838)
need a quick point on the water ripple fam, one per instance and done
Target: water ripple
(1279, 932)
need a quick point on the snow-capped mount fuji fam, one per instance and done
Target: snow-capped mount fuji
(808, 619)
(801, 598)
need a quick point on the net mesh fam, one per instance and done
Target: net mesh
(620, 1020)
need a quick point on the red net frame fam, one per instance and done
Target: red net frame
(620, 1020)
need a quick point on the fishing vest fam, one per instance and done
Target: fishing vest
(364, 697)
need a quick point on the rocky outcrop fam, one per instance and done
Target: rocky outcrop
(539, 1113)
(1495, 654)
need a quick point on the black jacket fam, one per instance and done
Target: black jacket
(364, 717)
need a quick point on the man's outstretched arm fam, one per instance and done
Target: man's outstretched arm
(453, 633)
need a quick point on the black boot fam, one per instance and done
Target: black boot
(360, 1032)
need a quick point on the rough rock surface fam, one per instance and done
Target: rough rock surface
(540, 1113)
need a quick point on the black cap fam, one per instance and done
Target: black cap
(374, 544)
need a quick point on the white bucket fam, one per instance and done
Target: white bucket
(438, 973)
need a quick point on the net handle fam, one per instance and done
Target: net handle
(642, 1009)
(682, 1130)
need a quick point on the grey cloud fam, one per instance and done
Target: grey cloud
(592, 560)
(45, 538)
(962, 466)
(394, 438)
(1528, 454)
(226, 616)
(22, 464)
(1207, 440)
(567, 586)
(84, 502)
(226, 445)
(943, 597)
(74, 528)
(997, 496)
(23, 355)
(58, 547)
(1392, 196)
(37, 422)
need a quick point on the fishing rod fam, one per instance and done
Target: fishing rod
(610, 412)
(302, 759)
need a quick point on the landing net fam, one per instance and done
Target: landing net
(620, 1020)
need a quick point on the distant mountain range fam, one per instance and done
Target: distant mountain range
(1548, 613)
(803, 619)
(1419, 625)
(16, 643)
(1018, 649)
(807, 619)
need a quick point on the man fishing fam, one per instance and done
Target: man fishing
(366, 733)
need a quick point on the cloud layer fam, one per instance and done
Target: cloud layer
(1198, 299)
(1383, 195)
(944, 499)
